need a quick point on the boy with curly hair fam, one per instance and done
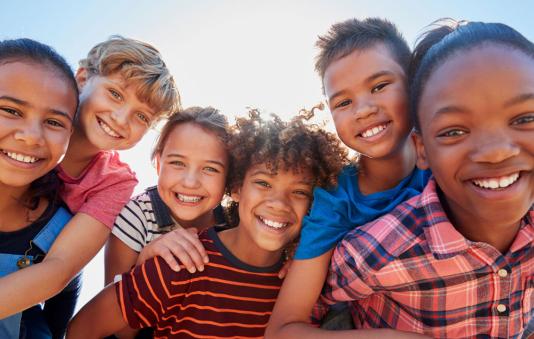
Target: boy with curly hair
(275, 165)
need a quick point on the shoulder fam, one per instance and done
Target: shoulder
(108, 163)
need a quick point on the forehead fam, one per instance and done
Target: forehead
(358, 66)
(205, 143)
(483, 77)
(300, 174)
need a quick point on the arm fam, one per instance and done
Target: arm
(78, 242)
(119, 258)
(99, 317)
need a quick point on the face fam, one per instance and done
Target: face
(477, 118)
(271, 207)
(112, 117)
(37, 106)
(192, 175)
(367, 96)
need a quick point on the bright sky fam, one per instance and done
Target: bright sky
(230, 54)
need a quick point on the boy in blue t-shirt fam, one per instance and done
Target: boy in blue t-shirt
(363, 66)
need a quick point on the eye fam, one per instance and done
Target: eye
(303, 193)
(523, 120)
(11, 111)
(379, 87)
(452, 133)
(177, 163)
(343, 103)
(143, 118)
(211, 169)
(115, 94)
(54, 123)
(262, 183)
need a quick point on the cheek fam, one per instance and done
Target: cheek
(57, 143)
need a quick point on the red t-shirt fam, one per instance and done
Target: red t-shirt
(102, 190)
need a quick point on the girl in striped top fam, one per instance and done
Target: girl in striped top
(274, 167)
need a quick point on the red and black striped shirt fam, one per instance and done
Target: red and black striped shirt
(229, 299)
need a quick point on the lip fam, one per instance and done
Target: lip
(20, 164)
(114, 128)
(271, 229)
(506, 193)
(188, 203)
(377, 136)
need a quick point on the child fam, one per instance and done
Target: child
(192, 180)
(274, 168)
(124, 88)
(38, 101)
(363, 66)
(456, 261)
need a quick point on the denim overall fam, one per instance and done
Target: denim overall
(10, 326)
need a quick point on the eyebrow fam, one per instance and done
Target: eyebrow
(176, 155)
(369, 79)
(27, 104)
(519, 99)
(271, 174)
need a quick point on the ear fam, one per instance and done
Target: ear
(157, 160)
(82, 75)
(236, 194)
(422, 162)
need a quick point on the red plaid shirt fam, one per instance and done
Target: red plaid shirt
(412, 270)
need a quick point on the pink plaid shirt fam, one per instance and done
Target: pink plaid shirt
(412, 270)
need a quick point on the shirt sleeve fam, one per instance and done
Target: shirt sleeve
(347, 276)
(328, 221)
(131, 226)
(145, 293)
(102, 190)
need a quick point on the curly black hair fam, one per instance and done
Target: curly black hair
(293, 145)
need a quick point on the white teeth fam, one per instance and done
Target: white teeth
(108, 129)
(373, 131)
(495, 183)
(188, 198)
(20, 157)
(274, 224)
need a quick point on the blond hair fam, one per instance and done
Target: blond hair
(139, 63)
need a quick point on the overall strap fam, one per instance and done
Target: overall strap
(46, 237)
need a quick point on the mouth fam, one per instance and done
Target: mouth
(275, 225)
(108, 130)
(374, 130)
(188, 199)
(22, 158)
(497, 183)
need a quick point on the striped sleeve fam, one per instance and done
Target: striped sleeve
(143, 293)
(131, 225)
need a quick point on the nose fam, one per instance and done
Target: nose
(190, 178)
(494, 147)
(364, 109)
(120, 115)
(31, 134)
(279, 201)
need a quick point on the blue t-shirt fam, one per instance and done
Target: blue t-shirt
(336, 212)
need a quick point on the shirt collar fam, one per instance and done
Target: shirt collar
(445, 241)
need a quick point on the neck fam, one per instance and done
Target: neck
(15, 214)
(240, 246)
(79, 154)
(380, 174)
(201, 223)
(500, 235)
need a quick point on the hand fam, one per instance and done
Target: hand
(283, 271)
(183, 244)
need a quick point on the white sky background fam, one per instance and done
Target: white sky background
(229, 54)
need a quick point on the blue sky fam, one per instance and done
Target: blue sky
(230, 54)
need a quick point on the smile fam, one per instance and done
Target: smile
(188, 198)
(497, 183)
(109, 131)
(273, 224)
(28, 159)
(372, 131)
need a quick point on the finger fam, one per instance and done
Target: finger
(194, 241)
(188, 254)
(283, 271)
(169, 259)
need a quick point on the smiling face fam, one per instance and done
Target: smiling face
(367, 97)
(477, 118)
(192, 172)
(112, 117)
(37, 106)
(271, 209)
